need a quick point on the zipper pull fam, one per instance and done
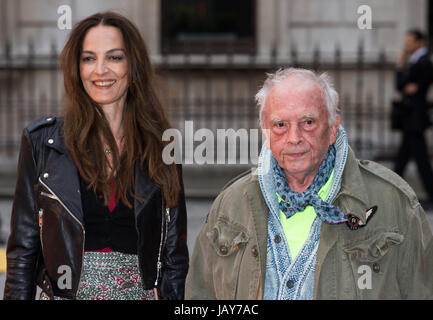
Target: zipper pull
(167, 214)
(49, 195)
(40, 213)
(158, 270)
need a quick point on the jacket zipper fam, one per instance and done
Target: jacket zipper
(49, 195)
(40, 214)
(164, 221)
(55, 197)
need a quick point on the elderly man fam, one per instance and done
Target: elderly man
(312, 221)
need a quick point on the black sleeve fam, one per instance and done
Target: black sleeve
(23, 246)
(175, 258)
(422, 75)
(419, 73)
(401, 79)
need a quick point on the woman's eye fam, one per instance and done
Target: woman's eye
(116, 58)
(86, 59)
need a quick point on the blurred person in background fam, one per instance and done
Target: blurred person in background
(97, 214)
(414, 75)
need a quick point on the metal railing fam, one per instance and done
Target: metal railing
(214, 91)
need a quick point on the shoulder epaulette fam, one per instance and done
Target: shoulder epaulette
(243, 174)
(46, 121)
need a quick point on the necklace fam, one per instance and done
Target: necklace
(108, 151)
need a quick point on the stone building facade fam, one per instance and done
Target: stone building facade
(217, 90)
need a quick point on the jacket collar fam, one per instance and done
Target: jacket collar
(420, 52)
(352, 198)
(60, 174)
(144, 189)
(63, 177)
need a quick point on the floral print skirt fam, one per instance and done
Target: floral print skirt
(111, 276)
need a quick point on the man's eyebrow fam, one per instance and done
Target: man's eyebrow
(307, 116)
(109, 51)
(277, 120)
(314, 116)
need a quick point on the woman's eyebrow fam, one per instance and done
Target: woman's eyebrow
(87, 51)
(109, 51)
(116, 49)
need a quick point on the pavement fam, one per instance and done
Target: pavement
(200, 194)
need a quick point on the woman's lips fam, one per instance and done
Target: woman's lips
(103, 84)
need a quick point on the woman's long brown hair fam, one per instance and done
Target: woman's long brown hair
(144, 120)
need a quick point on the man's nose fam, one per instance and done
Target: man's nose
(294, 135)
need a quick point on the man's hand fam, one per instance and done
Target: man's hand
(410, 89)
(401, 60)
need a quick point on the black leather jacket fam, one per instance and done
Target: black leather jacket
(47, 229)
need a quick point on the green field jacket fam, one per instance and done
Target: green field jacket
(390, 257)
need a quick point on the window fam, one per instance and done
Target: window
(199, 26)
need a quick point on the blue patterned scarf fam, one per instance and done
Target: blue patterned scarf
(296, 202)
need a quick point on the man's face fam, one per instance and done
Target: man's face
(299, 135)
(411, 44)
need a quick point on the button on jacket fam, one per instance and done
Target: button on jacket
(47, 229)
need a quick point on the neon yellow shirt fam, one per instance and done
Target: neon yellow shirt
(297, 227)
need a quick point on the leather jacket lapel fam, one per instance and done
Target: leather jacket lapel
(144, 189)
(61, 176)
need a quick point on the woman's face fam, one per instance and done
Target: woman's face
(103, 66)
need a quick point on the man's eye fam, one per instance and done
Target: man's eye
(279, 124)
(309, 122)
(279, 127)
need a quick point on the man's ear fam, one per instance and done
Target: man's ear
(334, 129)
(266, 133)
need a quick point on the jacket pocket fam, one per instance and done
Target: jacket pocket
(49, 195)
(374, 247)
(46, 203)
(44, 282)
(372, 264)
(227, 238)
(62, 241)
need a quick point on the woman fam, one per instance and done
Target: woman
(97, 214)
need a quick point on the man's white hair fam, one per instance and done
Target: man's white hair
(323, 81)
